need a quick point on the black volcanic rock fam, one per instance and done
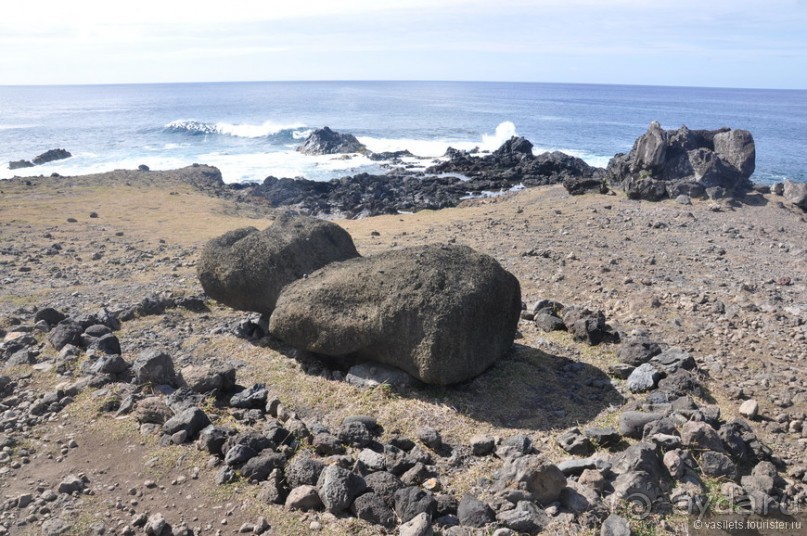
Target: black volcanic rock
(668, 163)
(20, 164)
(327, 141)
(513, 163)
(51, 155)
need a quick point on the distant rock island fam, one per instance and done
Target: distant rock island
(44, 158)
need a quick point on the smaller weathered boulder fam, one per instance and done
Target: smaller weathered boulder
(247, 269)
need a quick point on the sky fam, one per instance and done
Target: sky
(716, 43)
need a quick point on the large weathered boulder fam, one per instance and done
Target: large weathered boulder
(441, 313)
(246, 268)
(669, 163)
(327, 141)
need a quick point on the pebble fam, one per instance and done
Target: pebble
(749, 409)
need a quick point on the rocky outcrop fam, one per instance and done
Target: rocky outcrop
(514, 162)
(669, 163)
(51, 155)
(327, 141)
(246, 268)
(512, 165)
(364, 194)
(443, 314)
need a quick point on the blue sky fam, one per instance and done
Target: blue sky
(723, 43)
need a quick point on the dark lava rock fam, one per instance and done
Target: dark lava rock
(542, 480)
(326, 141)
(575, 443)
(155, 367)
(338, 488)
(261, 466)
(603, 437)
(441, 313)
(588, 326)
(20, 164)
(51, 155)
(251, 398)
(66, 332)
(640, 457)
(212, 439)
(637, 351)
(632, 423)
(191, 420)
(384, 485)
(669, 163)
(50, 315)
(474, 513)
(583, 185)
(717, 465)
(247, 269)
(525, 518)
(548, 322)
(411, 501)
(303, 470)
(371, 508)
(513, 163)
(108, 344)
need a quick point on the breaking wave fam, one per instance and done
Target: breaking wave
(266, 129)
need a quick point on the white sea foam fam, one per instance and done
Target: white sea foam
(14, 127)
(301, 134)
(437, 147)
(238, 130)
(504, 131)
(257, 166)
(267, 128)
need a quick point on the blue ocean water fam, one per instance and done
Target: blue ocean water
(250, 130)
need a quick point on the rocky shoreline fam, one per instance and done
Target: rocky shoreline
(662, 164)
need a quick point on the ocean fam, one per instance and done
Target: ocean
(250, 130)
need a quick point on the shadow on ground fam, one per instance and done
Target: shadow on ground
(531, 389)
(526, 389)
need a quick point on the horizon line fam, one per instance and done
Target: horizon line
(400, 81)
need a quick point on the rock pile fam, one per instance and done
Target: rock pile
(696, 163)
(667, 455)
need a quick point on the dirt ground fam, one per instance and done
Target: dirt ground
(726, 281)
